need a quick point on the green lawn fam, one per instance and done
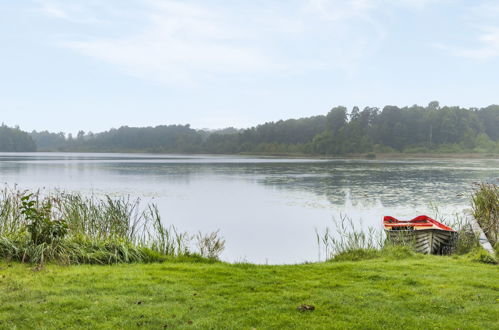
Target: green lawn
(418, 292)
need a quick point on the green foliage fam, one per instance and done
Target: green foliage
(348, 241)
(210, 245)
(381, 293)
(388, 251)
(480, 255)
(46, 141)
(13, 139)
(467, 240)
(40, 225)
(73, 229)
(357, 254)
(398, 252)
(416, 149)
(412, 129)
(381, 149)
(485, 203)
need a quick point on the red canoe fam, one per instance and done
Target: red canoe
(424, 233)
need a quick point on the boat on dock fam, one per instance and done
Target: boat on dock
(425, 234)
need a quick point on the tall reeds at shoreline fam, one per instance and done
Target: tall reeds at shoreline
(347, 238)
(351, 242)
(485, 204)
(71, 228)
(348, 241)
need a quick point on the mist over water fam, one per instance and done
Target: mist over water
(266, 208)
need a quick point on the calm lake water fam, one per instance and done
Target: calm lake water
(267, 209)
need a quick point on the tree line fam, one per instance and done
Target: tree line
(371, 130)
(13, 139)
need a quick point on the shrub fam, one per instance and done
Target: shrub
(40, 225)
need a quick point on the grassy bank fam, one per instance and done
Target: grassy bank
(151, 276)
(69, 228)
(415, 292)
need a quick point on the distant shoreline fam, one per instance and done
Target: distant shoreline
(382, 155)
(371, 156)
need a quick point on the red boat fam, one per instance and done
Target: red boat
(424, 233)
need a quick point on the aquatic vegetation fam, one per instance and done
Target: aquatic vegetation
(210, 245)
(40, 226)
(71, 228)
(467, 240)
(485, 203)
(349, 240)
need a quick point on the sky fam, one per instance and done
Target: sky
(92, 65)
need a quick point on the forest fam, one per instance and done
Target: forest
(414, 129)
(13, 139)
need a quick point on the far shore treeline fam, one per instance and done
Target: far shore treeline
(414, 129)
(13, 139)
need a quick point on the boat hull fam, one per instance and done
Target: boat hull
(428, 241)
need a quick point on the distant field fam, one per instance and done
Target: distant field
(419, 292)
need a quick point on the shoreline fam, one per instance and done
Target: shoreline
(368, 156)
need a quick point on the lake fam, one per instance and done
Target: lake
(268, 209)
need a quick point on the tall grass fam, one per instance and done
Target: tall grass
(97, 230)
(485, 204)
(348, 241)
(467, 239)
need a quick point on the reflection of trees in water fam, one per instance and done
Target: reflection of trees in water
(390, 185)
(8, 168)
(341, 182)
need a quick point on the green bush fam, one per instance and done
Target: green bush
(40, 225)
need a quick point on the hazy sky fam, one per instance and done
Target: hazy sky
(92, 65)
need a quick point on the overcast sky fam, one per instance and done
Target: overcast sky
(92, 65)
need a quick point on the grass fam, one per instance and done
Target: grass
(485, 202)
(72, 229)
(348, 241)
(417, 292)
(366, 283)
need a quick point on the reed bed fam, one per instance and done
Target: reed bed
(350, 241)
(485, 204)
(71, 228)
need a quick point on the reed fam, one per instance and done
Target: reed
(348, 241)
(71, 228)
(210, 245)
(485, 204)
(467, 239)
